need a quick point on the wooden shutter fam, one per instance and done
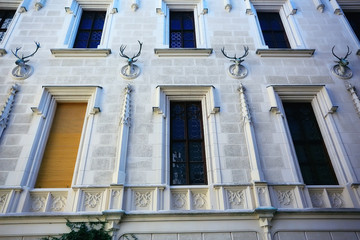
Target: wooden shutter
(57, 166)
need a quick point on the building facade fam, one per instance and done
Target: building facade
(142, 114)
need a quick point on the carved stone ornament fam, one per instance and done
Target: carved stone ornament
(179, 200)
(130, 71)
(3, 198)
(142, 199)
(317, 199)
(38, 203)
(199, 200)
(5, 112)
(23, 70)
(92, 200)
(58, 204)
(236, 197)
(336, 200)
(237, 70)
(341, 70)
(285, 197)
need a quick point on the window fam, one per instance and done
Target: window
(187, 153)
(354, 20)
(273, 30)
(5, 19)
(58, 162)
(182, 30)
(90, 29)
(311, 152)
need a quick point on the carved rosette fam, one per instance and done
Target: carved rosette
(317, 199)
(92, 200)
(336, 200)
(58, 203)
(346, 74)
(199, 200)
(236, 198)
(179, 200)
(38, 203)
(142, 199)
(285, 198)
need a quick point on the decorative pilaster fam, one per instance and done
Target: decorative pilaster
(254, 157)
(5, 113)
(124, 135)
(354, 97)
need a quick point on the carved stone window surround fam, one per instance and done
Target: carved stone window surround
(75, 9)
(45, 111)
(286, 10)
(199, 7)
(161, 105)
(323, 108)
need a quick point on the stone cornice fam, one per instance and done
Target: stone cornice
(279, 52)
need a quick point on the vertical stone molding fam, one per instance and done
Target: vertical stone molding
(319, 5)
(5, 113)
(256, 172)
(125, 122)
(336, 7)
(355, 98)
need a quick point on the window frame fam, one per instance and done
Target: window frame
(46, 111)
(182, 30)
(323, 109)
(15, 6)
(205, 94)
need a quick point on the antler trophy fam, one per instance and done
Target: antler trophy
(341, 69)
(22, 70)
(237, 70)
(130, 71)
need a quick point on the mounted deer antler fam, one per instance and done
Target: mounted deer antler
(21, 60)
(234, 70)
(130, 60)
(343, 62)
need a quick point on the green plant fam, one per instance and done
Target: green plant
(85, 231)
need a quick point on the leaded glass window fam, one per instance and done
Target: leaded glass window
(273, 30)
(311, 152)
(5, 19)
(90, 29)
(354, 20)
(182, 30)
(187, 154)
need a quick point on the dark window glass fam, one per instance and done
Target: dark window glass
(187, 144)
(90, 29)
(314, 161)
(354, 20)
(5, 19)
(182, 30)
(273, 30)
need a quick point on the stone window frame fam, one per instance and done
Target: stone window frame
(199, 7)
(207, 96)
(339, 6)
(74, 11)
(45, 112)
(286, 10)
(324, 109)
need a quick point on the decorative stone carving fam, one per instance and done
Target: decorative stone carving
(262, 196)
(237, 70)
(92, 200)
(179, 200)
(134, 5)
(5, 113)
(199, 200)
(236, 197)
(228, 5)
(22, 70)
(319, 5)
(336, 200)
(40, 4)
(130, 71)
(341, 69)
(125, 117)
(285, 198)
(58, 203)
(355, 98)
(142, 199)
(336, 7)
(3, 198)
(317, 199)
(37, 203)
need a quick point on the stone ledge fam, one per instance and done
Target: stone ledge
(80, 52)
(2, 52)
(280, 52)
(183, 52)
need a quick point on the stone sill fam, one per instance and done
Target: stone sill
(80, 52)
(2, 52)
(183, 52)
(281, 52)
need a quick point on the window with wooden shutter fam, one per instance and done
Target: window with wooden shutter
(58, 163)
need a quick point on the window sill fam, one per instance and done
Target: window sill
(2, 52)
(80, 52)
(279, 52)
(183, 52)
